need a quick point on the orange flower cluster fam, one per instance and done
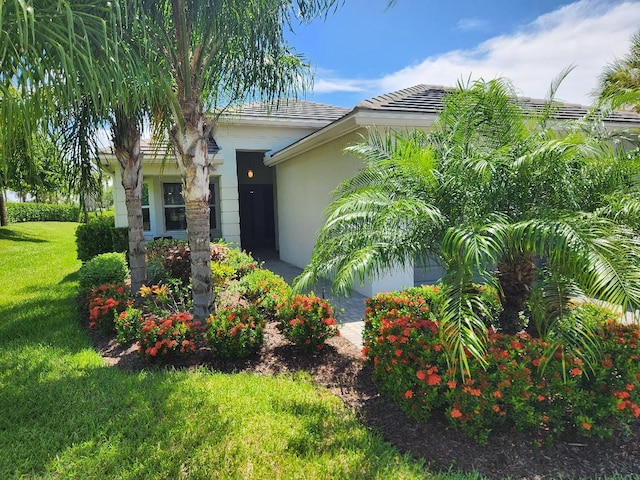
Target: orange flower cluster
(104, 303)
(163, 337)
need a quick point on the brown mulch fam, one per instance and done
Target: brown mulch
(339, 369)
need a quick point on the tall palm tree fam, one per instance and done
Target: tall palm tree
(215, 53)
(81, 63)
(492, 192)
(619, 84)
(47, 52)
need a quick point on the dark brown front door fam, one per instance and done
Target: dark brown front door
(257, 221)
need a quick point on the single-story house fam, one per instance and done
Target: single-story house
(275, 168)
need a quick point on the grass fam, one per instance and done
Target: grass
(66, 415)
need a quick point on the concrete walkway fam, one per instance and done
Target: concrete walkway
(348, 311)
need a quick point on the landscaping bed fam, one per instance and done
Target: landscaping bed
(339, 369)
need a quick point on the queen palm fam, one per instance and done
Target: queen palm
(495, 193)
(214, 53)
(45, 53)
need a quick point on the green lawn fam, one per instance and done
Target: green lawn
(64, 414)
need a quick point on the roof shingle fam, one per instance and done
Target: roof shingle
(288, 109)
(428, 99)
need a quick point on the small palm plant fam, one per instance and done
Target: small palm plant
(495, 192)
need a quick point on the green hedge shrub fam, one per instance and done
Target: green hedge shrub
(41, 212)
(100, 236)
(105, 268)
(120, 239)
(529, 384)
(264, 289)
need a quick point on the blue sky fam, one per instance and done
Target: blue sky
(366, 49)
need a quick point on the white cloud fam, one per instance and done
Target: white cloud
(587, 34)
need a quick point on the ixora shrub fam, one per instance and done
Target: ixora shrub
(104, 303)
(235, 332)
(103, 269)
(528, 383)
(307, 321)
(163, 338)
(128, 325)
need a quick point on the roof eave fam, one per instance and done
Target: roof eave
(358, 118)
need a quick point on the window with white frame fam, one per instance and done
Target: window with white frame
(175, 215)
(146, 214)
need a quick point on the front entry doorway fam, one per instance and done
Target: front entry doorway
(257, 225)
(256, 199)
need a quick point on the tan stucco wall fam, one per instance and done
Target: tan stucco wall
(305, 185)
(305, 188)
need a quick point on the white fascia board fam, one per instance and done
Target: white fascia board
(357, 119)
(109, 162)
(340, 127)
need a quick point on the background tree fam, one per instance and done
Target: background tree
(493, 193)
(619, 84)
(215, 53)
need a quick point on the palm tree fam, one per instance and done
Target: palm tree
(619, 84)
(215, 53)
(48, 51)
(493, 192)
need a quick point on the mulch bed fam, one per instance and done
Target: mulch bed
(339, 369)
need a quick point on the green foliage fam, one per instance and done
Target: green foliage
(104, 304)
(102, 269)
(264, 289)
(163, 338)
(41, 212)
(523, 382)
(120, 239)
(235, 332)
(221, 274)
(100, 236)
(307, 321)
(242, 262)
(128, 325)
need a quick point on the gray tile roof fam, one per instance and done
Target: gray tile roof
(288, 109)
(428, 99)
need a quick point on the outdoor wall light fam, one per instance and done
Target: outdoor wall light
(250, 173)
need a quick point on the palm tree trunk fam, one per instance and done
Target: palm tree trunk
(127, 149)
(4, 217)
(191, 151)
(516, 275)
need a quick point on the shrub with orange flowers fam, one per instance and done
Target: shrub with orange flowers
(235, 332)
(164, 338)
(528, 383)
(104, 303)
(307, 321)
(128, 324)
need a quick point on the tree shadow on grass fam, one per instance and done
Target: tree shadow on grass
(12, 235)
(101, 422)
